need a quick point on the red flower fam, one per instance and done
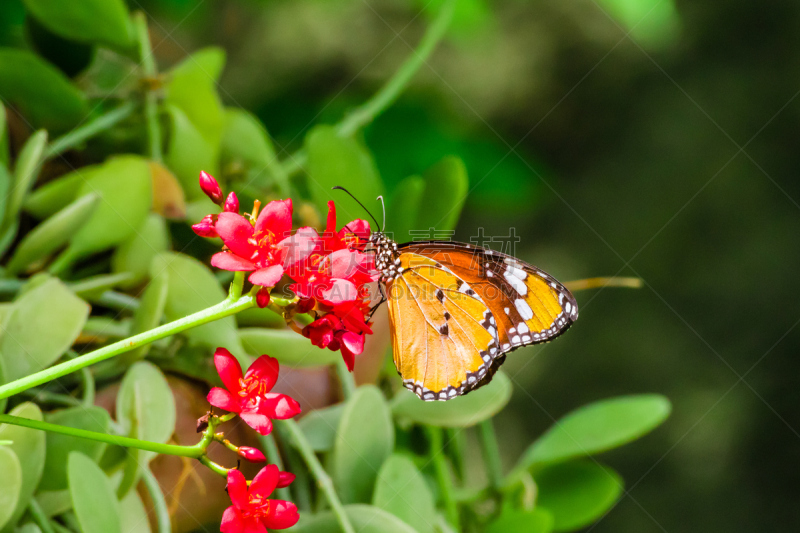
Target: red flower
(249, 396)
(353, 235)
(231, 203)
(205, 228)
(259, 246)
(254, 455)
(252, 511)
(210, 186)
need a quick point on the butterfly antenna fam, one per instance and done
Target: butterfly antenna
(383, 205)
(359, 203)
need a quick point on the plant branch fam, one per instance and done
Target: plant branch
(159, 503)
(323, 479)
(221, 310)
(89, 130)
(491, 454)
(601, 283)
(150, 97)
(39, 517)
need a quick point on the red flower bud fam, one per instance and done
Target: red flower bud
(304, 305)
(232, 203)
(210, 186)
(262, 298)
(285, 479)
(251, 454)
(205, 228)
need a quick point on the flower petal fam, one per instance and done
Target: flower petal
(265, 369)
(276, 217)
(265, 481)
(358, 228)
(285, 479)
(267, 277)
(232, 521)
(257, 421)
(283, 515)
(229, 369)
(338, 292)
(330, 223)
(223, 400)
(237, 489)
(236, 232)
(354, 266)
(232, 262)
(298, 248)
(279, 406)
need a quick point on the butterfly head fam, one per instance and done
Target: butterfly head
(387, 258)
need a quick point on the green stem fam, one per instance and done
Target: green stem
(170, 449)
(39, 517)
(274, 457)
(219, 469)
(390, 91)
(88, 387)
(215, 312)
(491, 454)
(345, 379)
(45, 396)
(89, 130)
(150, 97)
(159, 503)
(117, 301)
(443, 475)
(323, 479)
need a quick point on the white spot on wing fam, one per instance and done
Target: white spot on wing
(514, 281)
(523, 328)
(524, 309)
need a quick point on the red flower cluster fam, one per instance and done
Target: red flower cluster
(330, 272)
(252, 510)
(249, 395)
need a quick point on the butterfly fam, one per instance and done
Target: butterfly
(456, 310)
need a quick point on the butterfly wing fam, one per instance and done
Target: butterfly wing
(529, 305)
(444, 335)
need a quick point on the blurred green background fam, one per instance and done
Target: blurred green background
(617, 137)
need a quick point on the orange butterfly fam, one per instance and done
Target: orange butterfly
(456, 310)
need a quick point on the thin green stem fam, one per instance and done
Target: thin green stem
(89, 130)
(54, 398)
(390, 91)
(39, 517)
(345, 379)
(215, 312)
(443, 478)
(235, 290)
(491, 454)
(159, 503)
(323, 479)
(169, 449)
(274, 457)
(150, 98)
(217, 468)
(88, 387)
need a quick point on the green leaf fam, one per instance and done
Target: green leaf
(96, 507)
(193, 89)
(11, 486)
(516, 521)
(290, 348)
(149, 314)
(50, 307)
(91, 21)
(319, 427)
(4, 401)
(188, 153)
(446, 187)
(26, 171)
(41, 92)
(54, 502)
(92, 287)
(135, 254)
(402, 491)
(247, 148)
(52, 234)
(365, 438)
(403, 209)
(124, 185)
(30, 527)
(5, 152)
(463, 411)
(334, 160)
(262, 318)
(133, 514)
(5, 187)
(60, 446)
(577, 493)
(365, 519)
(598, 427)
(55, 195)
(192, 287)
(29, 447)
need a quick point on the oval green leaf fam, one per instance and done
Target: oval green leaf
(365, 519)
(11, 486)
(54, 502)
(93, 500)
(334, 160)
(517, 521)
(40, 91)
(135, 254)
(403, 208)
(365, 438)
(446, 188)
(55, 195)
(49, 307)
(402, 491)
(247, 147)
(53, 233)
(287, 346)
(133, 514)
(188, 153)
(192, 287)
(125, 187)
(149, 314)
(29, 162)
(463, 411)
(90, 21)
(60, 446)
(577, 493)
(29, 447)
(598, 427)
(319, 426)
(145, 405)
